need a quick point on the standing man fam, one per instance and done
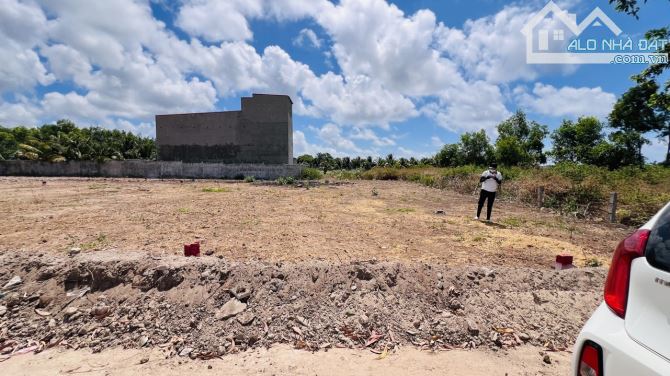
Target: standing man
(490, 180)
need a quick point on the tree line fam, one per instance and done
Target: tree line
(520, 142)
(64, 141)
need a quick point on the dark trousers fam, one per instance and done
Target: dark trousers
(483, 196)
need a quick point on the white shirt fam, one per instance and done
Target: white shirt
(491, 184)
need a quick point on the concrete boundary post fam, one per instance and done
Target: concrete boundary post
(612, 207)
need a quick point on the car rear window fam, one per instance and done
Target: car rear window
(658, 245)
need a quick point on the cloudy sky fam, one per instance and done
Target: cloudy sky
(366, 76)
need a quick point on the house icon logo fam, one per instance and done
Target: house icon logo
(556, 40)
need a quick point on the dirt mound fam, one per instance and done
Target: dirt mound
(204, 307)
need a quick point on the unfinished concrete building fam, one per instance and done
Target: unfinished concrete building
(261, 132)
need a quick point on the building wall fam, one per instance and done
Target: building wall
(261, 132)
(147, 169)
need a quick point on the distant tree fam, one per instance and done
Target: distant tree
(325, 162)
(8, 144)
(627, 6)
(643, 109)
(476, 148)
(427, 162)
(306, 160)
(509, 151)
(356, 163)
(346, 163)
(646, 106)
(621, 150)
(520, 141)
(368, 163)
(390, 161)
(627, 149)
(65, 141)
(449, 156)
(578, 141)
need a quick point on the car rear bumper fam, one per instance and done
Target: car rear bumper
(621, 354)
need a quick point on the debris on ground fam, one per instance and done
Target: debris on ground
(230, 309)
(13, 282)
(208, 307)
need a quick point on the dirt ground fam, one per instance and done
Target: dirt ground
(364, 220)
(352, 272)
(204, 308)
(283, 360)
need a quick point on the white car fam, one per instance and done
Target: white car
(629, 333)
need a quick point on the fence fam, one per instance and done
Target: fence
(611, 207)
(147, 169)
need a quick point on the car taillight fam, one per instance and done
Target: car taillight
(591, 360)
(616, 286)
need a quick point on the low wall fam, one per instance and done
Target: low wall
(147, 169)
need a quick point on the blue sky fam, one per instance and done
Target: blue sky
(366, 76)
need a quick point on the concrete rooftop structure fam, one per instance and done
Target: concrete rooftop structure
(261, 132)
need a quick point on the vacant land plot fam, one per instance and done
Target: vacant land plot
(240, 221)
(96, 264)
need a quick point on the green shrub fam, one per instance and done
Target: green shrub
(249, 179)
(568, 187)
(215, 189)
(593, 262)
(285, 180)
(309, 173)
(382, 173)
(345, 174)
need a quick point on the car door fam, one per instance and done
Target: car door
(647, 317)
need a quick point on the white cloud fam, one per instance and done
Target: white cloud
(20, 113)
(331, 139)
(409, 153)
(142, 128)
(217, 20)
(22, 28)
(67, 63)
(493, 48)
(332, 135)
(359, 100)
(565, 101)
(302, 146)
(397, 54)
(436, 141)
(123, 68)
(368, 134)
(470, 107)
(656, 150)
(307, 35)
(114, 65)
(375, 39)
(293, 9)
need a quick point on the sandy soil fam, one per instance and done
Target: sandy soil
(205, 307)
(282, 360)
(242, 221)
(341, 269)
